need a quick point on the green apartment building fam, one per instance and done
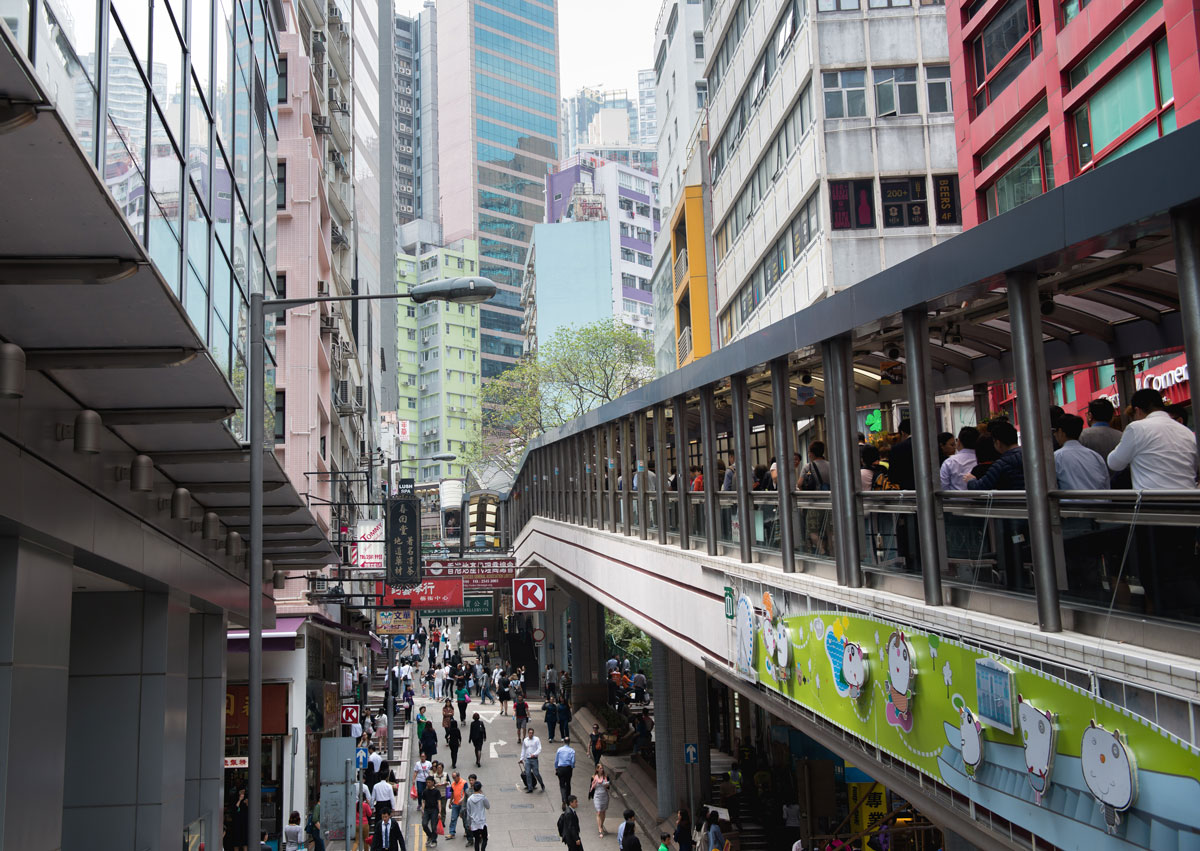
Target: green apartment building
(437, 354)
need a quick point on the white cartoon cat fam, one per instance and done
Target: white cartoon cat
(900, 671)
(1109, 771)
(971, 739)
(854, 669)
(1038, 733)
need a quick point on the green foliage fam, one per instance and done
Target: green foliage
(627, 637)
(576, 370)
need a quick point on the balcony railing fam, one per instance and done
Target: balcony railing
(683, 346)
(681, 268)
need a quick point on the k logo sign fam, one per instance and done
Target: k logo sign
(529, 595)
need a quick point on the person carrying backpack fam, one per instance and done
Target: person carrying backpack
(815, 477)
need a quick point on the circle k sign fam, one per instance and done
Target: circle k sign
(529, 595)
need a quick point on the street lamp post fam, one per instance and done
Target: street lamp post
(394, 462)
(454, 290)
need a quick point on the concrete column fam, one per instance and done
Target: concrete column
(1185, 227)
(35, 616)
(681, 718)
(126, 721)
(842, 452)
(587, 643)
(203, 774)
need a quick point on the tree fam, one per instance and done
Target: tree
(576, 370)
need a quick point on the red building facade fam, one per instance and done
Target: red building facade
(1045, 90)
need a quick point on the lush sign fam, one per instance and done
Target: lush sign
(1063, 763)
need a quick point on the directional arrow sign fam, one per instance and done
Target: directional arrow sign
(492, 747)
(360, 758)
(399, 642)
(691, 754)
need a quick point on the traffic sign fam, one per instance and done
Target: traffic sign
(539, 634)
(349, 713)
(399, 642)
(691, 754)
(529, 595)
(360, 758)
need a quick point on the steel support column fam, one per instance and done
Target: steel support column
(256, 413)
(624, 476)
(708, 454)
(836, 355)
(598, 474)
(1033, 392)
(680, 429)
(785, 430)
(1185, 226)
(741, 475)
(610, 473)
(931, 529)
(661, 470)
(640, 477)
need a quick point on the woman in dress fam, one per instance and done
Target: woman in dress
(453, 740)
(504, 692)
(477, 736)
(240, 827)
(439, 781)
(447, 713)
(599, 794)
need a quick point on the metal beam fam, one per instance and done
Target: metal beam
(679, 429)
(708, 455)
(164, 416)
(244, 510)
(660, 464)
(201, 456)
(931, 530)
(1077, 320)
(741, 474)
(1185, 225)
(69, 271)
(227, 487)
(115, 358)
(1130, 305)
(641, 473)
(785, 431)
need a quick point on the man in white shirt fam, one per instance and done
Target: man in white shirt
(405, 674)
(961, 462)
(531, 749)
(375, 758)
(1078, 468)
(1160, 452)
(383, 796)
(356, 729)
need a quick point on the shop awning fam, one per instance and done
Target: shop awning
(283, 636)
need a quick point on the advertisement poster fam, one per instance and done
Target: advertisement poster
(395, 622)
(429, 594)
(367, 550)
(1061, 762)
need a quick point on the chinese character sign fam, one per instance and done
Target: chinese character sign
(403, 550)
(429, 594)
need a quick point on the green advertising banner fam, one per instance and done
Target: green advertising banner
(1072, 768)
(472, 605)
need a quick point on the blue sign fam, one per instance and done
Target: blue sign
(399, 642)
(691, 754)
(360, 758)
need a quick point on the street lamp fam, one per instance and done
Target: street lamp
(437, 456)
(455, 290)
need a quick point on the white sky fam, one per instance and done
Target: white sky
(604, 43)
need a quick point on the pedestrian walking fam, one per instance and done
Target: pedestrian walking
(389, 836)
(447, 712)
(453, 741)
(463, 699)
(627, 828)
(596, 744)
(568, 825)
(521, 714)
(551, 710)
(564, 767)
(383, 795)
(504, 693)
(431, 801)
(429, 741)
(683, 831)
(599, 795)
(293, 833)
(457, 797)
(477, 808)
(477, 735)
(564, 718)
(531, 749)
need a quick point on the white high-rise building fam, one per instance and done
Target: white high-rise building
(680, 90)
(647, 108)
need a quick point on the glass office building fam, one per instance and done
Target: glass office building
(178, 117)
(498, 96)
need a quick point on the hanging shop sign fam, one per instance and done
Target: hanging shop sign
(395, 622)
(403, 552)
(473, 606)
(274, 709)
(428, 594)
(476, 574)
(1061, 762)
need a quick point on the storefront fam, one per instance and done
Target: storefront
(276, 742)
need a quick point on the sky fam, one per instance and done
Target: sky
(604, 43)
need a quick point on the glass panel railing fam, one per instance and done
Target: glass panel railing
(673, 513)
(812, 524)
(987, 540)
(696, 515)
(889, 531)
(764, 520)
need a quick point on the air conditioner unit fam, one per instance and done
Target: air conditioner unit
(424, 387)
(329, 324)
(320, 586)
(323, 289)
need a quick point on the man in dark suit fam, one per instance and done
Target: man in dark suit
(389, 836)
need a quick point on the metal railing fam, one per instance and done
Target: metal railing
(680, 268)
(683, 346)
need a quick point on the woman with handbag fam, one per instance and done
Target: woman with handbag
(463, 699)
(599, 795)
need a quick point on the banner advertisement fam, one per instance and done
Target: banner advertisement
(367, 551)
(395, 622)
(476, 574)
(1063, 763)
(403, 540)
(430, 594)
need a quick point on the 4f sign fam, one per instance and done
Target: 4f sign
(349, 714)
(529, 595)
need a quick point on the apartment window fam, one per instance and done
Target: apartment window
(281, 292)
(281, 185)
(322, 446)
(851, 204)
(280, 416)
(895, 91)
(836, 5)
(937, 87)
(904, 202)
(1029, 177)
(845, 94)
(1133, 108)
(412, 335)
(883, 4)
(281, 94)
(645, 259)
(1008, 43)
(946, 208)
(701, 94)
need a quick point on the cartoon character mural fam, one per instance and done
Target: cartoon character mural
(1038, 733)
(901, 673)
(776, 638)
(970, 733)
(854, 669)
(1110, 772)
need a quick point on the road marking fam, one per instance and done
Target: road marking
(492, 748)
